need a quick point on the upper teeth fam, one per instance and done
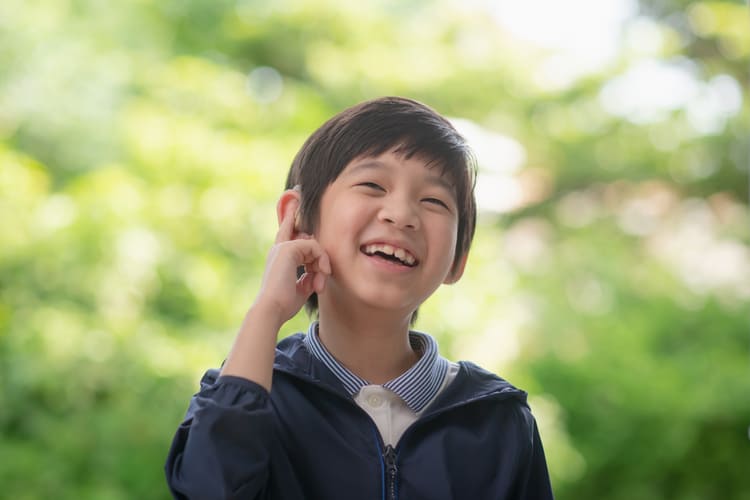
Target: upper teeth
(399, 253)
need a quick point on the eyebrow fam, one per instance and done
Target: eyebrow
(373, 164)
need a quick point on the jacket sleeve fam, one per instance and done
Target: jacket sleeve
(534, 478)
(222, 448)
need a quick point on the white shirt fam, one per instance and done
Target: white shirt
(391, 414)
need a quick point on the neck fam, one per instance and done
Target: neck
(374, 346)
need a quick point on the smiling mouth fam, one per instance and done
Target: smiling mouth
(391, 253)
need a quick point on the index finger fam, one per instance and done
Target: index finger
(286, 228)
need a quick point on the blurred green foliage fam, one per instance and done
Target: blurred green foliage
(143, 144)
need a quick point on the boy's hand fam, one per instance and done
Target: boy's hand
(281, 292)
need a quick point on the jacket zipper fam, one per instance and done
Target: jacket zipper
(391, 470)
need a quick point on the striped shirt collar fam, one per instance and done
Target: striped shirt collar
(417, 386)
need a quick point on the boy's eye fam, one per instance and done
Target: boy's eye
(436, 201)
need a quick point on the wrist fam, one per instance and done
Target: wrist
(268, 313)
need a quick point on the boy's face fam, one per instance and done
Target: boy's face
(389, 227)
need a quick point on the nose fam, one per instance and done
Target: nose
(400, 213)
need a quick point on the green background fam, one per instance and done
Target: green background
(143, 145)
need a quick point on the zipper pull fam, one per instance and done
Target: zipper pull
(389, 457)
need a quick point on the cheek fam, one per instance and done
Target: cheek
(449, 237)
(446, 229)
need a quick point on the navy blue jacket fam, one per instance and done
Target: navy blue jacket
(308, 439)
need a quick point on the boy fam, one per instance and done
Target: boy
(379, 210)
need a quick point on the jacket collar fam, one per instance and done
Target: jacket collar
(472, 383)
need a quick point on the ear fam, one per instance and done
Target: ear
(457, 271)
(288, 206)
